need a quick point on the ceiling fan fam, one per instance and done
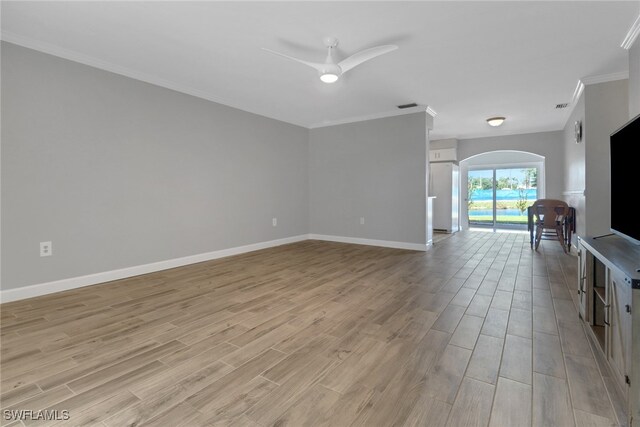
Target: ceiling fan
(329, 70)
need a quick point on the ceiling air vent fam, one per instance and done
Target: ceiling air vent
(402, 107)
(559, 106)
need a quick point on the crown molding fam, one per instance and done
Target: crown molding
(74, 56)
(91, 61)
(577, 93)
(355, 119)
(602, 78)
(632, 34)
(590, 81)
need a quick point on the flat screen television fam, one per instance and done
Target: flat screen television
(625, 171)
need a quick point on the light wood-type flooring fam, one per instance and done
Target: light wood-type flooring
(480, 330)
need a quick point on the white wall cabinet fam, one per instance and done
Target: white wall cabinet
(443, 155)
(609, 304)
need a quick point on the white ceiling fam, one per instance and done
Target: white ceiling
(466, 60)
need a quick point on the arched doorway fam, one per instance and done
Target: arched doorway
(498, 186)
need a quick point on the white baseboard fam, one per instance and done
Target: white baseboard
(8, 295)
(15, 294)
(370, 242)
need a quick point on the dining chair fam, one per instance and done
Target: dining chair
(550, 216)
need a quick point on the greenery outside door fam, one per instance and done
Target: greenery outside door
(499, 197)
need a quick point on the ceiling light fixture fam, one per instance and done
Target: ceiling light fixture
(495, 121)
(329, 77)
(329, 73)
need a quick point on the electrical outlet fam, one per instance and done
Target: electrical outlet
(361, 220)
(274, 222)
(46, 249)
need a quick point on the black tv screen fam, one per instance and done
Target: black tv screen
(625, 171)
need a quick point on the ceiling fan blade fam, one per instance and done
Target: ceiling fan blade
(315, 65)
(365, 55)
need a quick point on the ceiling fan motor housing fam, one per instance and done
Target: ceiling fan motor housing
(330, 69)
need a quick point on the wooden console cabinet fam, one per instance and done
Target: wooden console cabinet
(609, 297)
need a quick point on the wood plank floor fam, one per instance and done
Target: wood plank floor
(478, 331)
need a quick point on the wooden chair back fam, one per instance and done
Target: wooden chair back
(550, 216)
(550, 212)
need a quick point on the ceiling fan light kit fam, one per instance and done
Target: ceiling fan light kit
(330, 73)
(330, 70)
(495, 121)
(329, 77)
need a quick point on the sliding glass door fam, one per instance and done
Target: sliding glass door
(480, 199)
(499, 197)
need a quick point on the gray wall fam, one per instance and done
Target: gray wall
(574, 166)
(374, 169)
(634, 79)
(117, 172)
(606, 109)
(546, 144)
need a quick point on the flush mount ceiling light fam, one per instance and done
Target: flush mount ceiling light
(495, 121)
(330, 70)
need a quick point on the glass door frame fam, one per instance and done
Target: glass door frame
(493, 197)
(539, 166)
